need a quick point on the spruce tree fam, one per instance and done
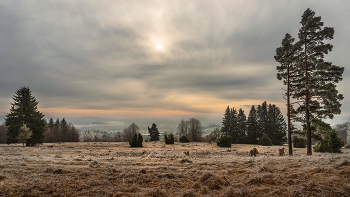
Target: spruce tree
(317, 87)
(262, 118)
(226, 125)
(153, 132)
(57, 130)
(234, 126)
(241, 127)
(252, 127)
(64, 130)
(276, 125)
(51, 125)
(24, 110)
(287, 55)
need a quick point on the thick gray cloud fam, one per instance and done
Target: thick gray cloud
(100, 55)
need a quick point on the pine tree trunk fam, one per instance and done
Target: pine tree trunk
(307, 114)
(288, 116)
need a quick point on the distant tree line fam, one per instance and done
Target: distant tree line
(266, 119)
(61, 131)
(98, 136)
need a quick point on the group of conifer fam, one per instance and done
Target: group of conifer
(267, 119)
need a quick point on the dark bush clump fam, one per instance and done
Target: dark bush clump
(265, 140)
(331, 145)
(299, 142)
(184, 139)
(136, 140)
(224, 141)
(169, 139)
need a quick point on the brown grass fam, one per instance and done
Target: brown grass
(115, 169)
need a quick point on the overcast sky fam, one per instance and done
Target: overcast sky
(161, 59)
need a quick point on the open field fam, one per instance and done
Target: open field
(114, 169)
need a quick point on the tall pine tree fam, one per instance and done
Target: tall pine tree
(24, 110)
(317, 88)
(287, 55)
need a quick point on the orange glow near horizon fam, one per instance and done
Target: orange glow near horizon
(208, 107)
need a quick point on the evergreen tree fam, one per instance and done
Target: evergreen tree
(226, 125)
(317, 88)
(265, 140)
(241, 127)
(253, 134)
(24, 111)
(287, 56)
(262, 118)
(233, 125)
(64, 130)
(224, 141)
(154, 133)
(51, 125)
(229, 124)
(57, 130)
(169, 139)
(139, 140)
(276, 125)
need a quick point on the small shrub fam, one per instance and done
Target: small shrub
(169, 139)
(224, 141)
(299, 142)
(184, 139)
(265, 140)
(139, 140)
(136, 140)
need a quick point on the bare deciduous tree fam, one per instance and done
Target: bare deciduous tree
(192, 129)
(128, 133)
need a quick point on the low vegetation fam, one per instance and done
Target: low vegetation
(224, 141)
(299, 142)
(115, 169)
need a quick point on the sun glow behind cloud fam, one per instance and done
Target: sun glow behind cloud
(105, 58)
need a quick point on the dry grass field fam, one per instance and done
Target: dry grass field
(115, 169)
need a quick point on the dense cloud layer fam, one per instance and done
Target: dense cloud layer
(100, 57)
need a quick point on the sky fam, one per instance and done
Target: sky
(119, 62)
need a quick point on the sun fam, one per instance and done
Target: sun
(159, 46)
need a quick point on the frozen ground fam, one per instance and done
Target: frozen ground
(115, 169)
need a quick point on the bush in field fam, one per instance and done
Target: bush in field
(184, 139)
(331, 145)
(169, 139)
(136, 140)
(224, 141)
(299, 142)
(265, 140)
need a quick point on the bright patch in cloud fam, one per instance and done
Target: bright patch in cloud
(159, 47)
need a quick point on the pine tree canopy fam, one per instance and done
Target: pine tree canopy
(24, 111)
(310, 80)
